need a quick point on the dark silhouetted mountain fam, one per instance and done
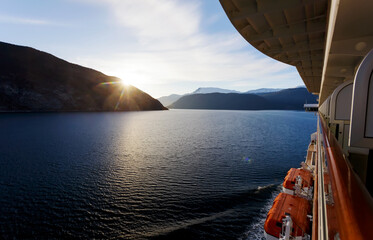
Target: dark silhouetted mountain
(31, 80)
(287, 99)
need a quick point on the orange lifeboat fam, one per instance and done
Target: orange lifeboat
(288, 208)
(297, 176)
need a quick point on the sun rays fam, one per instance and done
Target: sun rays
(124, 86)
(120, 98)
(112, 83)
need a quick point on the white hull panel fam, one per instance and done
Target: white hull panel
(288, 191)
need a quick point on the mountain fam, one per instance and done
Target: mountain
(292, 98)
(264, 90)
(213, 90)
(32, 80)
(234, 101)
(168, 100)
(287, 99)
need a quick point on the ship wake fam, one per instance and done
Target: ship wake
(255, 230)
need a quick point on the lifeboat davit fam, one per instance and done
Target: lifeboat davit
(288, 218)
(298, 182)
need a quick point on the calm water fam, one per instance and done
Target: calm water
(179, 174)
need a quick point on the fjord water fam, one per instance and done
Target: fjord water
(178, 174)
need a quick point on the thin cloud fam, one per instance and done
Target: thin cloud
(158, 19)
(171, 47)
(25, 21)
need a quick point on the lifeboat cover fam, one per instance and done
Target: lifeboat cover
(290, 178)
(296, 207)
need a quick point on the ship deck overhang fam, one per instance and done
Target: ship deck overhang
(324, 40)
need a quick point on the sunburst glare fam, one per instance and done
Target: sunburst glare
(115, 82)
(124, 86)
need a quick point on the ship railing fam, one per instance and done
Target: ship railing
(350, 214)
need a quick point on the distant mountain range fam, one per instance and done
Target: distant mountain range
(287, 99)
(264, 90)
(31, 80)
(168, 100)
(213, 90)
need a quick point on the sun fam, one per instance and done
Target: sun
(124, 82)
(129, 79)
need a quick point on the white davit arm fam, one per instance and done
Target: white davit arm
(287, 225)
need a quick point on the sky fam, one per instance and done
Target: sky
(162, 47)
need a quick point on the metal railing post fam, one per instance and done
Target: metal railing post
(322, 216)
